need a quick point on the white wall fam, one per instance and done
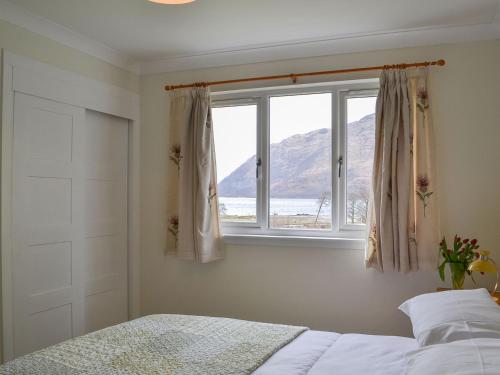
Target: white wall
(25, 43)
(321, 288)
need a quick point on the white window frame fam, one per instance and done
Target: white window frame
(260, 232)
(240, 101)
(343, 96)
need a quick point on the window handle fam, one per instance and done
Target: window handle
(340, 161)
(257, 168)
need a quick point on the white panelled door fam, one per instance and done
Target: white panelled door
(48, 237)
(105, 150)
(69, 222)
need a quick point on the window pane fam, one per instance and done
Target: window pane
(235, 135)
(300, 162)
(359, 163)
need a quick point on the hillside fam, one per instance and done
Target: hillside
(300, 164)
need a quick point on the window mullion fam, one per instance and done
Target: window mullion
(263, 151)
(335, 157)
(342, 131)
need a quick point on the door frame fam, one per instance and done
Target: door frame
(27, 76)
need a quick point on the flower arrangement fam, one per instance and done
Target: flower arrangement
(459, 257)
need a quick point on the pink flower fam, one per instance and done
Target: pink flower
(175, 149)
(175, 155)
(473, 242)
(423, 183)
(422, 94)
(174, 221)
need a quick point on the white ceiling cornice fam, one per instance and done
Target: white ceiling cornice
(325, 47)
(252, 54)
(16, 15)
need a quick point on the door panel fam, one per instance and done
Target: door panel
(50, 327)
(48, 296)
(69, 222)
(105, 219)
(49, 267)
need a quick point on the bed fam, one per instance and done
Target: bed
(181, 344)
(455, 333)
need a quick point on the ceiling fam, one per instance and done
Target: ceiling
(147, 32)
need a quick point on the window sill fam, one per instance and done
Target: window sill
(295, 241)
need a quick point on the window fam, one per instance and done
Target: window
(360, 143)
(300, 161)
(236, 147)
(295, 161)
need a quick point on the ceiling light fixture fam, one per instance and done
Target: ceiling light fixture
(171, 2)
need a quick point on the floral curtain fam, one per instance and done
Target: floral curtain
(193, 213)
(403, 227)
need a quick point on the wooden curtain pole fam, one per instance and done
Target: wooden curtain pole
(294, 76)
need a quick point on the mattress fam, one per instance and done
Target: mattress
(327, 353)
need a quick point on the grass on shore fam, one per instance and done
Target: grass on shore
(285, 221)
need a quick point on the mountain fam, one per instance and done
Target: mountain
(301, 167)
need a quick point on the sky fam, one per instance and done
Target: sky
(235, 135)
(236, 126)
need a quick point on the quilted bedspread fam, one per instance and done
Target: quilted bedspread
(162, 344)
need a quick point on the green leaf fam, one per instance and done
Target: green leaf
(441, 270)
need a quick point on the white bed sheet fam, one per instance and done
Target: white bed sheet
(327, 353)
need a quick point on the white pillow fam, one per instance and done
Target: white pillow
(466, 357)
(443, 317)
